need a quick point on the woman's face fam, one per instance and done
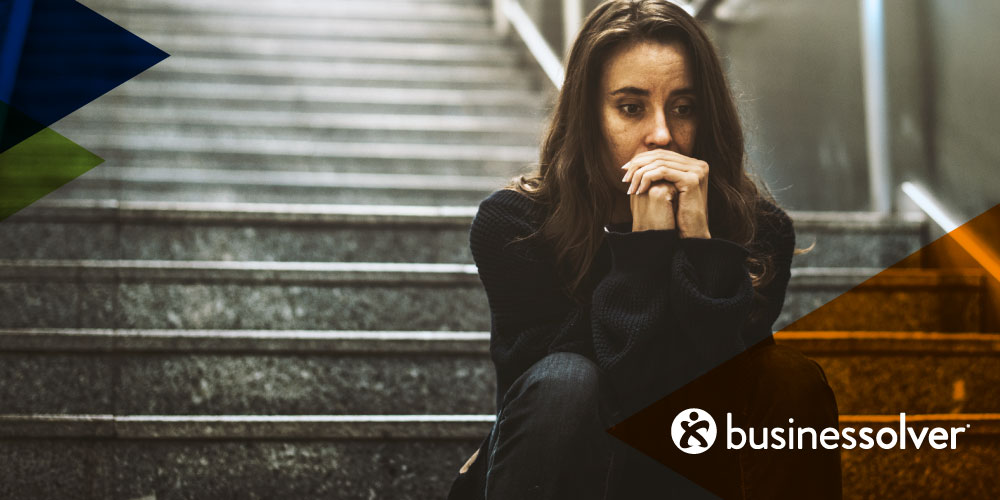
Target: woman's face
(647, 102)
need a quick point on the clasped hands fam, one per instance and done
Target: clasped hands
(668, 190)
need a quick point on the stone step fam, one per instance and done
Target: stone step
(180, 71)
(106, 4)
(857, 239)
(495, 52)
(220, 97)
(314, 28)
(176, 11)
(123, 457)
(404, 457)
(174, 124)
(93, 229)
(337, 154)
(307, 165)
(320, 51)
(896, 300)
(254, 4)
(340, 295)
(274, 121)
(404, 372)
(242, 186)
(255, 295)
(353, 158)
(925, 473)
(105, 229)
(912, 372)
(245, 372)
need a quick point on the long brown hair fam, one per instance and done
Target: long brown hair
(571, 177)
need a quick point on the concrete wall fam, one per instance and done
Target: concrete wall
(963, 119)
(796, 66)
(795, 69)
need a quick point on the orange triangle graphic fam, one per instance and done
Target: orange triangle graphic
(939, 301)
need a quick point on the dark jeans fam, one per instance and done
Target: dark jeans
(549, 441)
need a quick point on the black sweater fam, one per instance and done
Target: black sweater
(663, 308)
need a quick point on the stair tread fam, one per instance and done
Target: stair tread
(239, 118)
(354, 426)
(182, 45)
(806, 276)
(167, 9)
(458, 342)
(292, 148)
(219, 93)
(311, 28)
(227, 177)
(239, 213)
(892, 277)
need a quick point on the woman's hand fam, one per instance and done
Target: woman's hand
(654, 209)
(688, 176)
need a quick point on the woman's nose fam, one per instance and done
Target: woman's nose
(659, 133)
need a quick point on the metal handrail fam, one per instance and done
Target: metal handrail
(533, 39)
(510, 13)
(930, 206)
(979, 251)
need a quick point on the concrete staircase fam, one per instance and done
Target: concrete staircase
(266, 291)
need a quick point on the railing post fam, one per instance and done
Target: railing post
(572, 17)
(876, 93)
(535, 42)
(500, 23)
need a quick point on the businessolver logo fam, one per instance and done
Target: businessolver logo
(693, 431)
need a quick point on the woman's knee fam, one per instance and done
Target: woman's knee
(566, 376)
(787, 380)
(560, 388)
(549, 424)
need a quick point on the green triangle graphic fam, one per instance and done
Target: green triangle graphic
(37, 166)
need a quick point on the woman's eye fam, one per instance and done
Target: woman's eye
(630, 109)
(684, 110)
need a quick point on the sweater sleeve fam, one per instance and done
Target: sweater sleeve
(668, 306)
(711, 294)
(528, 314)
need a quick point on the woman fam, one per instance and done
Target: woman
(635, 259)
